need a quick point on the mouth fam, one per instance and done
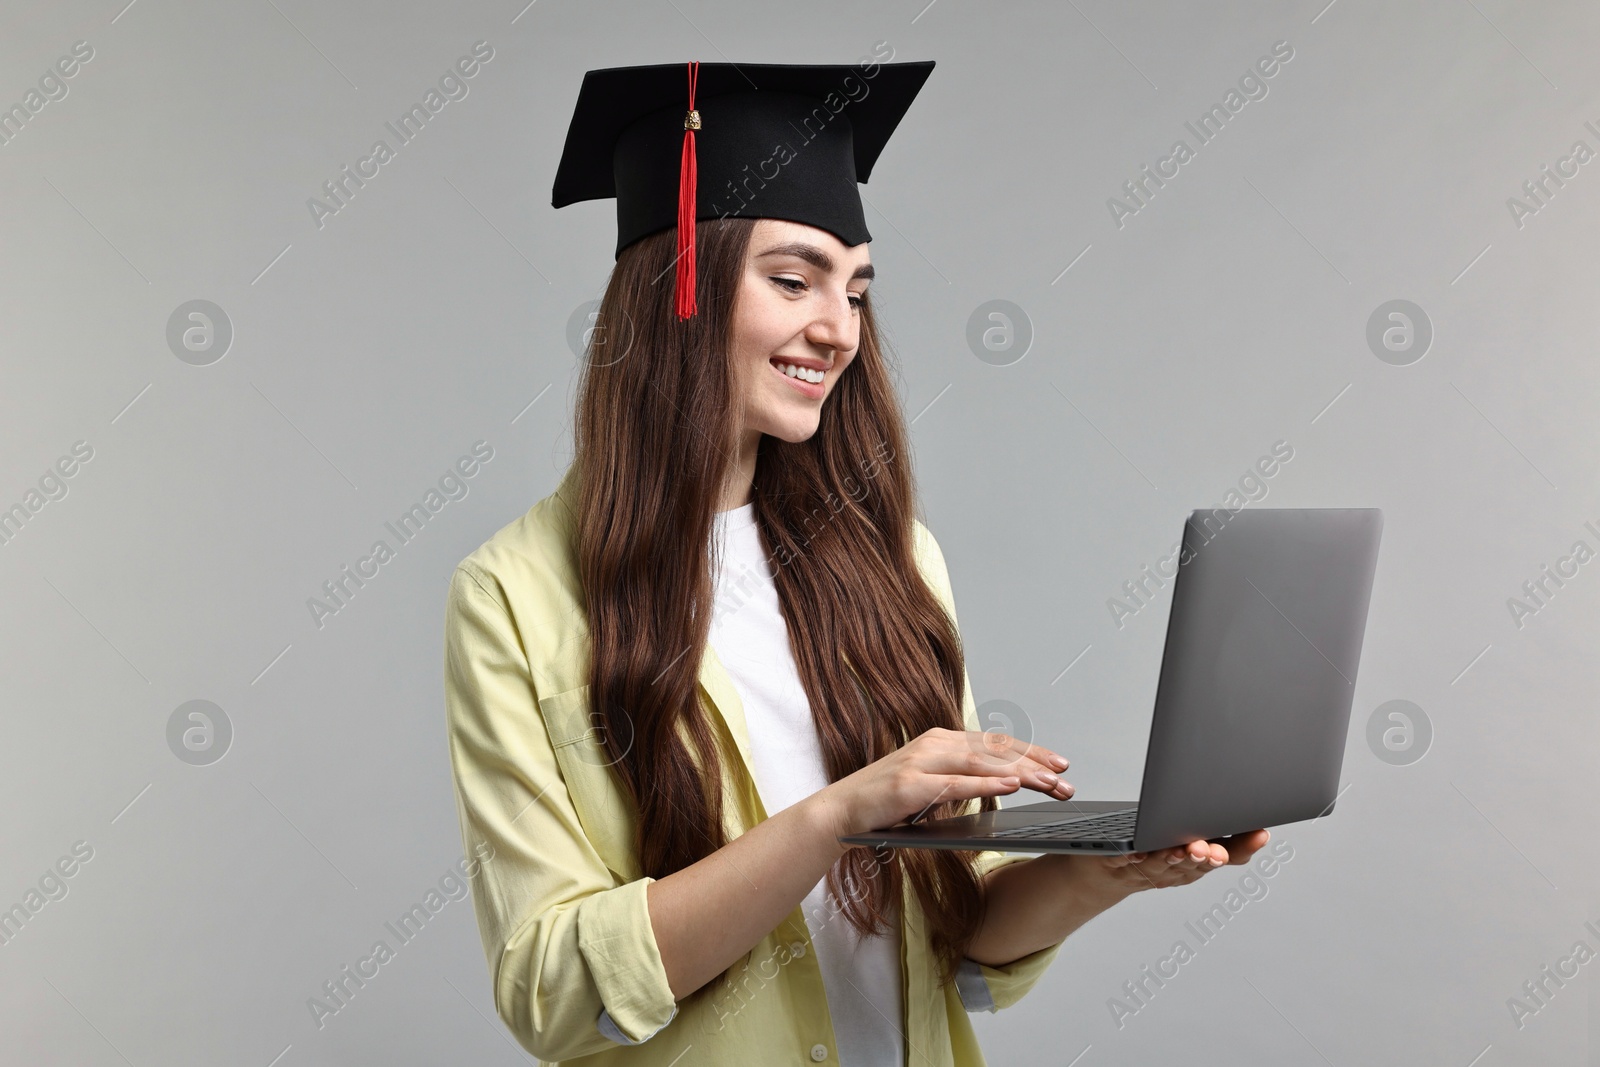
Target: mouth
(807, 389)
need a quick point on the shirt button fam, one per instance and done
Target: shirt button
(819, 1053)
(798, 949)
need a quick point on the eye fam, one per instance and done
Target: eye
(795, 285)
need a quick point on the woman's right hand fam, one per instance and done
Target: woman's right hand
(937, 766)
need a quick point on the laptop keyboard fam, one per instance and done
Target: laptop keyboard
(1110, 826)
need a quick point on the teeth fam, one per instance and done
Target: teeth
(813, 376)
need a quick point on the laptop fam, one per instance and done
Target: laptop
(1269, 607)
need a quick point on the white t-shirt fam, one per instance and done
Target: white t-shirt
(861, 976)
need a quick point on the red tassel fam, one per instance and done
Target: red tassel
(688, 174)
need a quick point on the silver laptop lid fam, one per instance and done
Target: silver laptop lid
(1259, 670)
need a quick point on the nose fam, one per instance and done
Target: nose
(835, 326)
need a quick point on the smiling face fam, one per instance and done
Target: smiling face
(798, 307)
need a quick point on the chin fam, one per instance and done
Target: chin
(794, 431)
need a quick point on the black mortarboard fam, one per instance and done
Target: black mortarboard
(753, 140)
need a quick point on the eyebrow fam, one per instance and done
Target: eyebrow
(817, 258)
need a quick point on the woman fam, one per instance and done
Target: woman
(657, 752)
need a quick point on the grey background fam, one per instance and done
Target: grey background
(431, 312)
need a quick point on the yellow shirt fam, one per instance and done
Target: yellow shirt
(559, 896)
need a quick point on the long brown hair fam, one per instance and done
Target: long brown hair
(657, 424)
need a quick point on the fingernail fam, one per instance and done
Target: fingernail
(1048, 779)
(1061, 762)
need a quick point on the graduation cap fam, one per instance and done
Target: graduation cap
(676, 142)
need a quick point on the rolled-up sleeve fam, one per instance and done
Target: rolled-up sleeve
(571, 951)
(982, 987)
(1008, 984)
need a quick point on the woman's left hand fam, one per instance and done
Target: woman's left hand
(1037, 903)
(1178, 865)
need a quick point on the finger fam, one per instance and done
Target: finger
(1181, 859)
(1179, 864)
(936, 789)
(1240, 847)
(1159, 872)
(967, 786)
(1188, 871)
(997, 758)
(961, 759)
(1005, 746)
(999, 784)
(1002, 758)
(1147, 871)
